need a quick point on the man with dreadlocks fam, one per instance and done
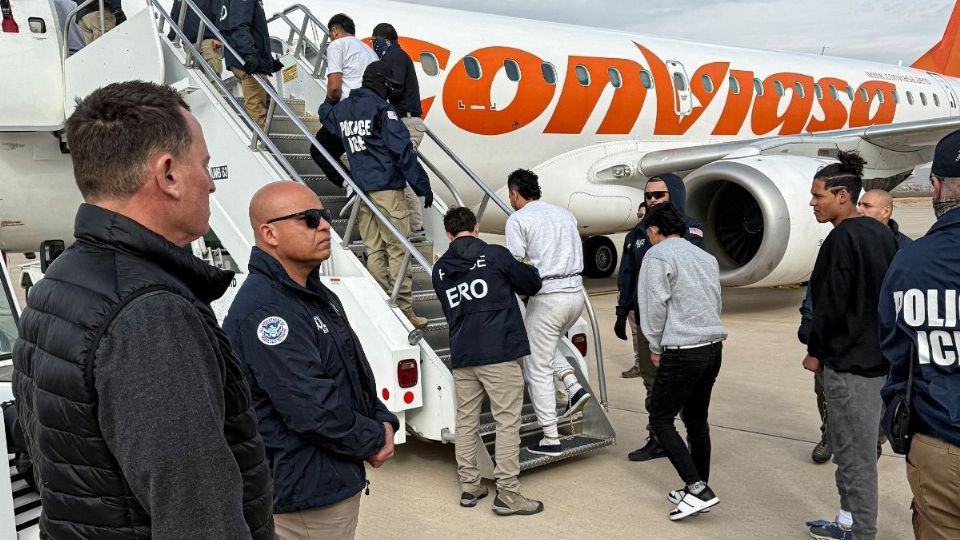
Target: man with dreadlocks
(844, 342)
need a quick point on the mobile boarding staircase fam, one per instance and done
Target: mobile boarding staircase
(245, 157)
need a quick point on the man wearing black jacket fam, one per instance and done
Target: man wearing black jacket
(658, 190)
(476, 283)
(210, 47)
(844, 341)
(88, 19)
(313, 390)
(243, 24)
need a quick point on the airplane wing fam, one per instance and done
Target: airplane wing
(888, 149)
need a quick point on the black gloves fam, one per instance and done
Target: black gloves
(620, 327)
(277, 66)
(428, 199)
(251, 64)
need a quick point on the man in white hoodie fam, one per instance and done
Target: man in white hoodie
(679, 312)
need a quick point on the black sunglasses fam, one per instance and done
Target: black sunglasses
(310, 217)
(652, 195)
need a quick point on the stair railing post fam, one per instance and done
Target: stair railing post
(398, 279)
(351, 221)
(483, 206)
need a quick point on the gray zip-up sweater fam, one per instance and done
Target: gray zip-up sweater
(678, 291)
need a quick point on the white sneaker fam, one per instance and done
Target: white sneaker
(692, 504)
(676, 496)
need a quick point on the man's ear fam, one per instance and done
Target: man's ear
(449, 237)
(937, 186)
(268, 234)
(162, 171)
(476, 229)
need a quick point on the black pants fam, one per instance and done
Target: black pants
(334, 146)
(684, 382)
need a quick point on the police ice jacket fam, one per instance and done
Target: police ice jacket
(243, 24)
(313, 390)
(476, 283)
(115, 461)
(806, 308)
(636, 244)
(376, 141)
(919, 328)
(845, 285)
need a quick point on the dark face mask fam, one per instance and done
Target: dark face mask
(380, 46)
(943, 205)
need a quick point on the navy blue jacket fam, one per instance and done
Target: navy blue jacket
(806, 308)
(376, 141)
(476, 283)
(191, 22)
(407, 99)
(924, 275)
(636, 244)
(243, 24)
(313, 391)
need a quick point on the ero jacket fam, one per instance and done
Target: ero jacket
(376, 141)
(476, 283)
(313, 390)
(919, 328)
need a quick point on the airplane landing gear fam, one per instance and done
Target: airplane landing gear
(599, 257)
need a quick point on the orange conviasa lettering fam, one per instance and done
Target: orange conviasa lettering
(668, 123)
(577, 102)
(467, 101)
(860, 110)
(834, 113)
(766, 117)
(737, 105)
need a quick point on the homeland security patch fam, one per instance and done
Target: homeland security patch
(272, 331)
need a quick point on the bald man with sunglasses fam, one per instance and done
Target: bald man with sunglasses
(312, 387)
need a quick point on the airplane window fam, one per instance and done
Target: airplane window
(923, 99)
(679, 82)
(896, 96)
(936, 100)
(512, 68)
(798, 89)
(850, 93)
(817, 91)
(863, 95)
(549, 73)
(645, 79)
(833, 92)
(909, 97)
(472, 66)
(779, 87)
(615, 79)
(707, 83)
(430, 64)
(734, 85)
(583, 76)
(758, 86)
(880, 96)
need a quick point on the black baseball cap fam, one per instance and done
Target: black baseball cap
(946, 158)
(379, 71)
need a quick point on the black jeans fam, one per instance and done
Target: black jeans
(684, 382)
(334, 146)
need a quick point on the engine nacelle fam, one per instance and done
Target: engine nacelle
(757, 217)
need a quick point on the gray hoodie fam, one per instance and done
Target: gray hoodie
(679, 296)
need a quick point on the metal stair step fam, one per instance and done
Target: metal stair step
(304, 164)
(293, 143)
(284, 124)
(319, 184)
(574, 445)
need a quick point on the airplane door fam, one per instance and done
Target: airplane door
(951, 94)
(682, 100)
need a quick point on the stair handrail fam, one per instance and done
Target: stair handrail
(65, 49)
(489, 194)
(264, 139)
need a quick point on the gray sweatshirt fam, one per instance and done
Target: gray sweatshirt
(678, 291)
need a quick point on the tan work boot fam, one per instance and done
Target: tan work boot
(509, 503)
(417, 321)
(631, 373)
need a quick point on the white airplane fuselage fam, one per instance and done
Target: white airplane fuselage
(506, 93)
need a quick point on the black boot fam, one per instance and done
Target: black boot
(651, 450)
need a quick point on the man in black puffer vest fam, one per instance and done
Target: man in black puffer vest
(134, 408)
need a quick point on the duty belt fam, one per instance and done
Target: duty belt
(565, 276)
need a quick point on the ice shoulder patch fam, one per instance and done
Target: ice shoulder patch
(392, 115)
(272, 331)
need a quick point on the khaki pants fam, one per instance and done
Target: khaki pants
(89, 25)
(255, 98)
(414, 204)
(384, 250)
(503, 384)
(933, 470)
(335, 522)
(214, 57)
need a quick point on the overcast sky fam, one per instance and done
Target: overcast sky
(883, 30)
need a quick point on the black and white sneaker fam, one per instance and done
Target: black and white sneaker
(576, 403)
(552, 450)
(676, 496)
(692, 504)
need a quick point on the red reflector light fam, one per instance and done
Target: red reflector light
(580, 342)
(407, 373)
(8, 24)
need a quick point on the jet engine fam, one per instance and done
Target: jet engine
(757, 218)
